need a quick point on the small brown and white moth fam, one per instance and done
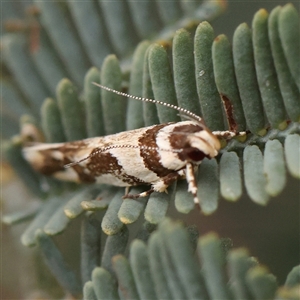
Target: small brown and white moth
(156, 155)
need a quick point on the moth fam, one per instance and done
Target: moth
(156, 155)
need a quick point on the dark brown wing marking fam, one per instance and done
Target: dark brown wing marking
(104, 163)
(50, 164)
(151, 157)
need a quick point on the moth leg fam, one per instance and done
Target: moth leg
(191, 180)
(159, 186)
(127, 188)
(136, 196)
(162, 184)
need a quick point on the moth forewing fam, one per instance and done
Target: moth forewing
(156, 155)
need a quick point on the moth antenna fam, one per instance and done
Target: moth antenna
(99, 150)
(180, 109)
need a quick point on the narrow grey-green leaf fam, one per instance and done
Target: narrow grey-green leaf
(88, 291)
(261, 283)
(205, 11)
(45, 213)
(189, 7)
(288, 87)
(209, 10)
(16, 57)
(73, 207)
(265, 71)
(184, 201)
(141, 270)
(149, 109)
(161, 286)
(94, 205)
(145, 10)
(134, 117)
(145, 231)
(158, 204)
(289, 31)
(208, 186)
(115, 244)
(184, 71)
(105, 285)
(162, 83)
(181, 252)
(58, 221)
(207, 91)
(47, 63)
(292, 154)
(168, 268)
(169, 11)
(51, 122)
(230, 176)
(131, 209)
(239, 263)
(71, 110)
(13, 100)
(255, 180)
(113, 105)
(57, 264)
(193, 235)
(274, 167)
(90, 245)
(93, 107)
(293, 278)
(64, 38)
(23, 215)
(125, 277)
(226, 83)
(246, 79)
(111, 224)
(88, 20)
(213, 264)
(118, 31)
(102, 201)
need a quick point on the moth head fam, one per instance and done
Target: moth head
(199, 145)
